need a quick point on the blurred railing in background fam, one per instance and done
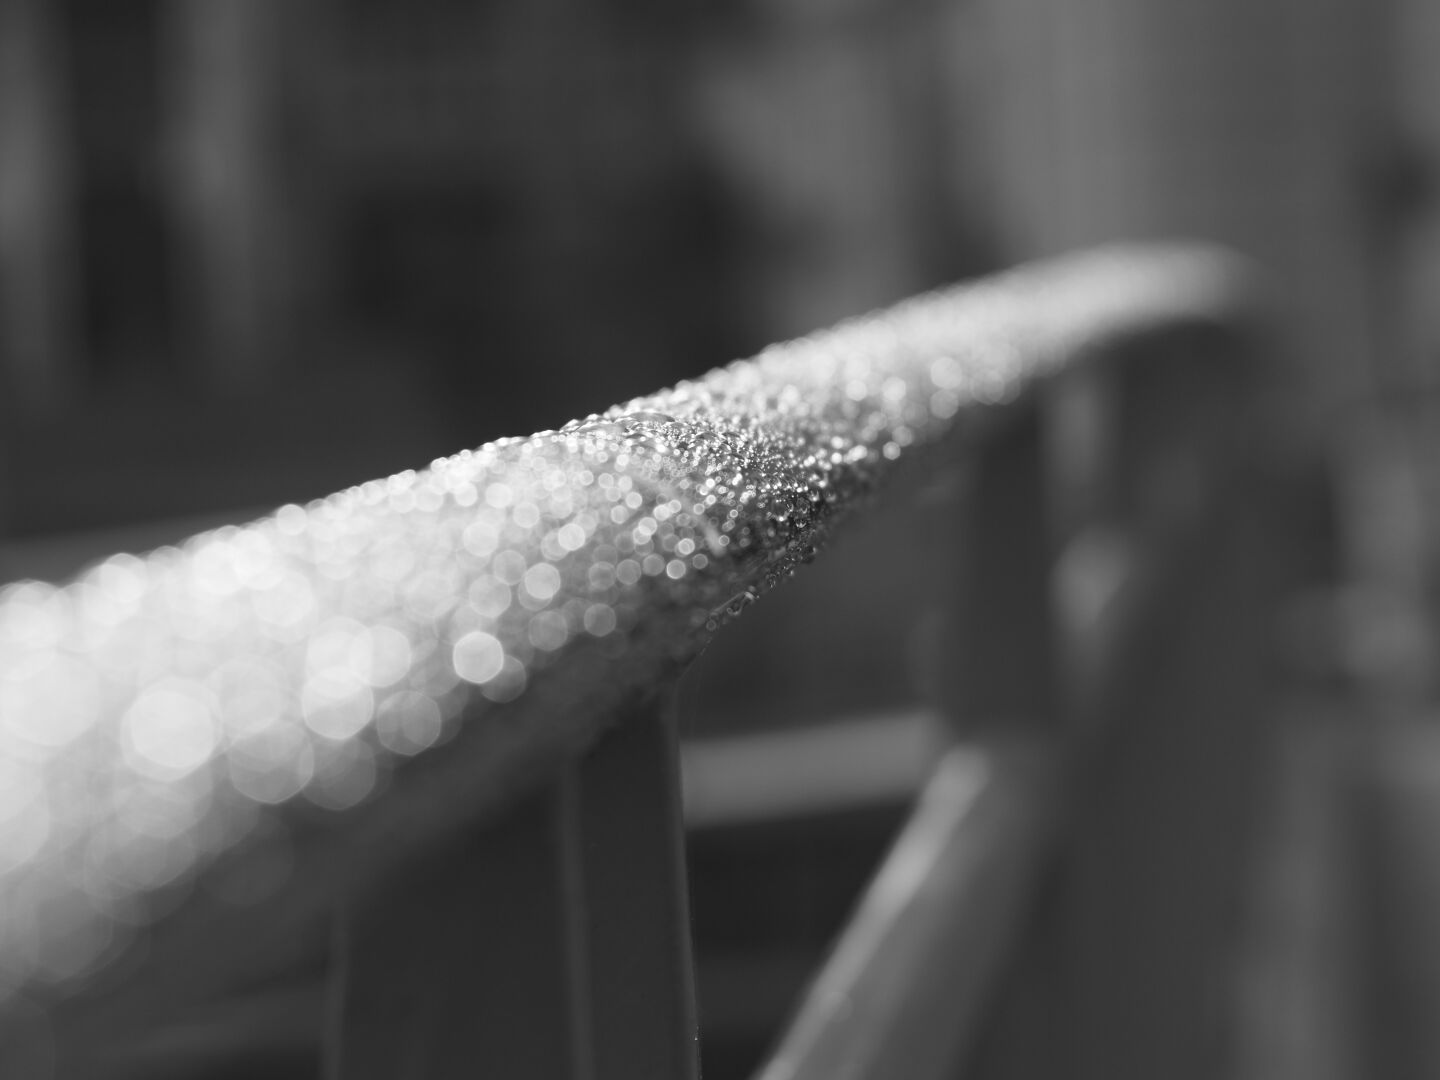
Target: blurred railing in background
(395, 774)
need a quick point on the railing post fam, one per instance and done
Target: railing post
(1002, 671)
(470, 963)
(1151, 700)
(552, 944)
(636, 904)
(1003, 694)
(1171, 721)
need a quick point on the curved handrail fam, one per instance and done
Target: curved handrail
(160, 712)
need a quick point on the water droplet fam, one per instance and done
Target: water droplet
(636, 419)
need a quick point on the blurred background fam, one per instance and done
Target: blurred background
(312, 242)
(253, 251)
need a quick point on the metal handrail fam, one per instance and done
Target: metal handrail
(346, 680)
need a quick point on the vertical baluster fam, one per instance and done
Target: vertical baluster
(1174, 722)
(468, 963)
(1002, 649)
(550, 944)
(1003, 696)
(637, 919)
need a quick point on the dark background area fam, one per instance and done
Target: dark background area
(269, 249)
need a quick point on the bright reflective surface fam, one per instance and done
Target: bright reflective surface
(153, 709)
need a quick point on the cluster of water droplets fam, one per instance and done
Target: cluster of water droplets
(155, 709)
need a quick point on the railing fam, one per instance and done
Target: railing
(420, 732)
